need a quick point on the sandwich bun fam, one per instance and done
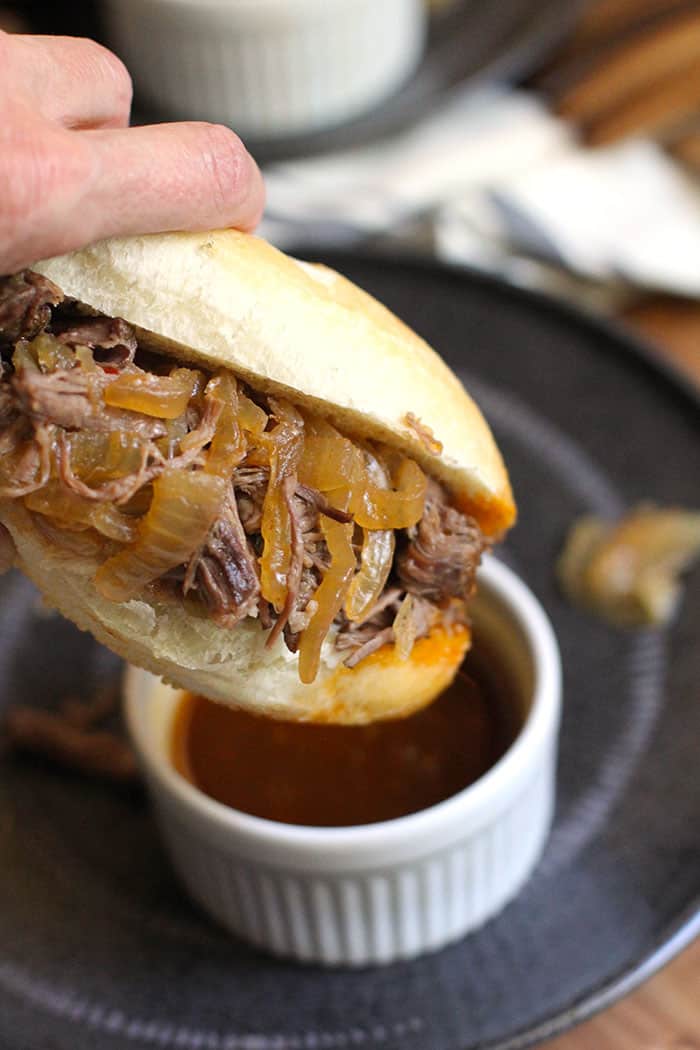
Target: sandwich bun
(227, 299)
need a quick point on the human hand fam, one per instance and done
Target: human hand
(72, 171)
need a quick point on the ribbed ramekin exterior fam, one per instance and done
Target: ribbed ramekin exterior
(266, 68)
(378, 915)
(393, 890)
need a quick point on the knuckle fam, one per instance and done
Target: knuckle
(38, 172)
(112, 69)
(24, 179)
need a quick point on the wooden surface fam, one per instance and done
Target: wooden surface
(663, 1015)
(633, 66)
(674, 326)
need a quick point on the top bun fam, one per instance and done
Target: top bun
(301, 331)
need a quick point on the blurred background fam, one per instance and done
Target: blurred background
(554, 144)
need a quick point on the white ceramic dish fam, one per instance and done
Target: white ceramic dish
(377, 892)
(267, 67)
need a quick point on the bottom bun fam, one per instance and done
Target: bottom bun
(234, 666)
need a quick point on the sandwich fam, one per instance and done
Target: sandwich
(244, 474)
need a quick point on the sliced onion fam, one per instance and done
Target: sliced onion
(229, 445)
(377, 508)
(56, 501)
(335, 465)
(97, 457)
(287, 443)
(329, 596)
(50, 354)
(165, 397)
(24, 358)
(250, 416)
(329, 461)
(84, 355)
(112, 523)
(175, 431)
(71, 510)
(259, 454)
(84, 544)
(184, 507)
(375, 565)
(405, 628)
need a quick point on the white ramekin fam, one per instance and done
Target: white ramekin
(267, 67)
(377, 892)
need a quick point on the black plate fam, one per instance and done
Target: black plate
(474, 42)
(98, 947)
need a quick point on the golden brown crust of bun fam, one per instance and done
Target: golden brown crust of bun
(230, 299)
(233, 667)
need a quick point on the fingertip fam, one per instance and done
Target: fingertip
(257, 196)
(236, 184)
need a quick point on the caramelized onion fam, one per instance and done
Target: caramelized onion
(287, 443)
(377, 508)
(27, 466)
(328, 596)
(98, 456)
(85, 356)
(184, 507)
(405, 628)
(228, 446)
(175, 431)
(375, 565)
(84, 544)
(50, 354)
(23, 358)
(329, 460)
(250, 416)
(335, 465)
(57, 502)
(112, 523)
(165, 397)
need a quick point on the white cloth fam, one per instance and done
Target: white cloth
(502, 184)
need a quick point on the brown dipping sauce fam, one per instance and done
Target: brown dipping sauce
(332, 776)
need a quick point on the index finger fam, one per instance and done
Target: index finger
(188, 176)
(61, 190)
(71, 80)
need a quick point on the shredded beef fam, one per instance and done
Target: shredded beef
(25, 305)
(319, 501)
(112, 340)
(443, 551)
(70, 399)
(360, 637)
(375, 641)
(225, 570)
(8, 404)
(250, 484)
(31, 466)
